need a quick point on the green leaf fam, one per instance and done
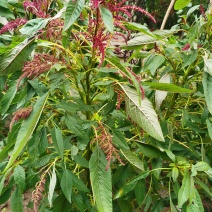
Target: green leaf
(209, 126)
(81, 161)
(133, 159)
(66, 184)
(8, 98)
(73, 10)
(201, 166)
(101, 182)
(124, 190)
(107, 18)
(57, 139)
(175, 174)
(34, 25)
(184, 192)
(180, 4)
(14, 59)
(153, 62)
(19, 177)
(143, 39)
(166, 87)
(138, 27)
(16, 201)
(205, 187)
(27, 128)
(119, 139)
(142, 113)
(207, 86)
(52, 184)
(189, 59)
(192, 208)
(140, 191)
(78, 183)
(149, 150)
(198, 202)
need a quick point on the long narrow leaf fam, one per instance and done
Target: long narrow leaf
(101, 181)
(142, 113)
(27, 128)
(73, 11)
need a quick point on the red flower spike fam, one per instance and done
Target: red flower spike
(13, 25)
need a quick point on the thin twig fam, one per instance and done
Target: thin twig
(167, 14)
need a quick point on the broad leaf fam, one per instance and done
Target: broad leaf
(73, 10)
(180, 4)
(207, 86)
(78, 183)
(57, 139)
(107, 18)
(133, 159)
(101, 181)
(142, 113)
(32, 26)
(14, 60)
(66, 184)
(27, 128)
(16, 201)
(184, 192)
(19, 177)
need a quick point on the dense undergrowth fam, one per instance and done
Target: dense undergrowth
(99, 113)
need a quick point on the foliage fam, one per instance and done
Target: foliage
(102, 114)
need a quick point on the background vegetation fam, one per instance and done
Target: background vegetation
(102, 113)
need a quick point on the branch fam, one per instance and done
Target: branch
(167, 14)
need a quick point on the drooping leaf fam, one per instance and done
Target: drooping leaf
(167, 87)
(207, 86)
(101, 181)
(133, 159)
(184, 192)
(27, 128)
(57, 139)
(119, 139)
(16, 201)
(33, 26)
(66, 184)
(73, 10)
(14, 59)
(107, 18)
(8, 98)
(52, 184)
(19, 177)
(142, 113)
(180, 4)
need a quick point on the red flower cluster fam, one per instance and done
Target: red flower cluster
(186, 47)
(21, 113)
(13, 25)
(40, 64)
(37, 7)
(104, 139)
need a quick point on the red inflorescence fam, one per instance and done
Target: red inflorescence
(12, 25)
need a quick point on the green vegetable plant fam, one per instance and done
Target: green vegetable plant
(101, 114)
